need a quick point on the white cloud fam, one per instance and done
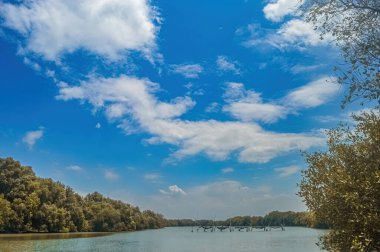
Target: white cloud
(31, 137)
(278, 9)
(293, 34)
(153, 177)
(219, 139)
(216, 139)
(212, 107)
(35, 66)
(98, 125)
(226, 65)
(174, 190)
(111, 175)
(227, 170)
(297, 31)
(287, 171)
(222, 199)
(247, 105)
(115, 111)
(296, 69)
(257, 111)
(126, 96)
(107, 28)
(75, 168)
(314, 93)
(236, 91)
(191, 71)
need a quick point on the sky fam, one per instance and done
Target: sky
(194, 109)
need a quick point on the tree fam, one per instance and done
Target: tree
(6, 213)
(342, 185)
(32, 204)
(355, 26)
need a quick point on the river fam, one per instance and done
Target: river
(181, 239)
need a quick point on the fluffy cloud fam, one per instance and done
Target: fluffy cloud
(31, 137)
(216, 139)
(219, 139)
(126, 96)
(247, 105)
(107, 28)
(174, 190)
(226, 65)
(293, 34)
(222, 199)
(287, 171)
(313, 94)
(277, 10)
(191, 71)
(111, 175)
(256, 111)
(298, 32)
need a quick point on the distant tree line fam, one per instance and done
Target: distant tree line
(274, 218)
(32, 204)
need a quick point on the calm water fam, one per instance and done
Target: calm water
(294, 239)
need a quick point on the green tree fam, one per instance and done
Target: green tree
(342, 186)
(32, 204)
(6, 213)
(355, 26)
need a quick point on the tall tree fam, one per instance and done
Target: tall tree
(355, 25)
(342, 186)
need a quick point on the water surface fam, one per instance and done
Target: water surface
(293, 239)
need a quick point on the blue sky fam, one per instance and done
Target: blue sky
(195, 109)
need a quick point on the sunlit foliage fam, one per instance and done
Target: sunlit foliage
(32, 204)
(342, 186)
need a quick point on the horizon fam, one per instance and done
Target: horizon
(193, 110)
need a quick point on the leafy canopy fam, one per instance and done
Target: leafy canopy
(355, 26)
(342, 186)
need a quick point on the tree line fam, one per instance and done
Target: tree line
(32, 204)
(274, 218)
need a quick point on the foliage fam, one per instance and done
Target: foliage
(32, 204)
(355, 26)
(274, 218)
(342, 186)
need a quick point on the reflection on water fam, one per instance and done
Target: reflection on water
(49, 236)
(294, 239)
(28, 242)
